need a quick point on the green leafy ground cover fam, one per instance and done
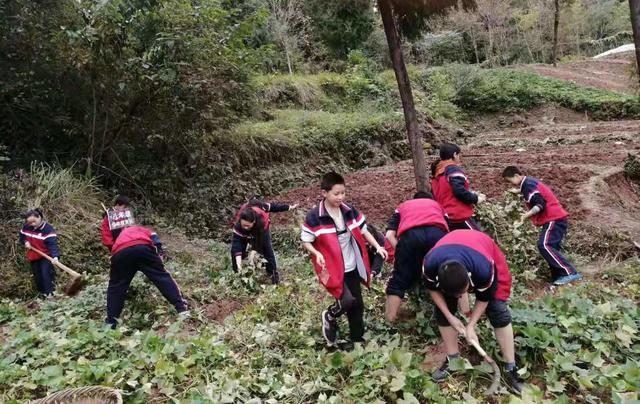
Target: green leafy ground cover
(579, 344)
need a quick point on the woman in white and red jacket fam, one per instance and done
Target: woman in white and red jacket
(335, 233)
(40, 235)
(137, 248)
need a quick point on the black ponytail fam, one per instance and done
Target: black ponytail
(36, 212)
(434, 167)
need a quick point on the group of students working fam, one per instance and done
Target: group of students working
(133, 248)
(431, 237)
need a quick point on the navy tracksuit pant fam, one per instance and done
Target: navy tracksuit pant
(550, 245)
(44, 275)
(413, 246)
(469, 224)
(124, 266)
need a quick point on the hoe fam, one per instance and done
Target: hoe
(75, 283)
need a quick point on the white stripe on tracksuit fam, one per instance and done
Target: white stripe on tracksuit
(550, 251)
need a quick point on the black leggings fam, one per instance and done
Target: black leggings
(351, 304)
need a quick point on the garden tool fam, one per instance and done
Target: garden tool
(495, 383)
(75, 283)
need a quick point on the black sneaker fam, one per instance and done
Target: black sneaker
(442, 373)
(513, 380)
(329, 328)
(275, 278)
(346, 346)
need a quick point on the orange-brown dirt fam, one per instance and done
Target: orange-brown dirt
(567, 156)
(580, 159)
(612, 73)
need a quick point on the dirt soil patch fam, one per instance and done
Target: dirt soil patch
(435, 356)
(221, 309)
(570, 157)
(607, 73)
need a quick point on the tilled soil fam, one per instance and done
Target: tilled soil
(610, 73)
(566, 156)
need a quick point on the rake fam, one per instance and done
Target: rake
(75, 283)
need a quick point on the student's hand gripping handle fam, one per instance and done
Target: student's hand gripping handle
(56, 263)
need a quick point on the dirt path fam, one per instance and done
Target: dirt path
(577, 159)
(608, 73)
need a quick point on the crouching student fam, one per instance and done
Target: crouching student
(137, 248)
(252, 226)
(415, 227)
(450, 188)
(470, 261)
(545, 211)
(335, 234)
(37, 233)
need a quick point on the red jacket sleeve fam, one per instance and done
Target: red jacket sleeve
(107, 238)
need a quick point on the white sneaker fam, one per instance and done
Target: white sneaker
(183, 315)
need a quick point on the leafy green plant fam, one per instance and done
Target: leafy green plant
(632, 167)
(518, 240)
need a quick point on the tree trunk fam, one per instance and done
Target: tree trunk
(289, 66)
(634, 7)
(556, 23)
(475, 46)
(406, 95)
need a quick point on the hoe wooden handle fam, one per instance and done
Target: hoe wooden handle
(481, 351)
(57, 263)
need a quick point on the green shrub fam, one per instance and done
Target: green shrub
(265, 158)
(435, 49)
(505, 90)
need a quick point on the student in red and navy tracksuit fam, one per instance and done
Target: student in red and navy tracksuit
(251, 226)
(108, 233)
(450, 187)
(545, 210)
(137, 248)
(336, 234)
(470, 261)
(39, 234)
(415, 227)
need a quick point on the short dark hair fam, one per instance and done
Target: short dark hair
(511, 172)
(331, 179)
(36, 212)
(453, 278)
(122, 200)
(422, 195)
(447, 150)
